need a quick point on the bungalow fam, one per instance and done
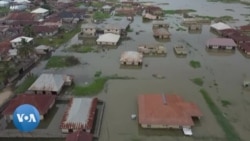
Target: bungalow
(245, 29)
(43, 49)
(107, 8)
(50, 84)
(43, 103)
(22, 18)
(221, 43)
(217, 27)
(160, 24)
(161, 33)
(154, 10)
(41, 12)
(194, 27)
(166, 111)
(5, 46)
(18, 42)
(245, 48)
(80, 115)
(114, 28)
(45, 30)
(108, 39)
(88, 30)
(79, 136)
(131, 58)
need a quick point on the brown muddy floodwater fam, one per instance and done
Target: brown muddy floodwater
(227, 70)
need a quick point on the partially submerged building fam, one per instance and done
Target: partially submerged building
(88, 30)
(131, 58)
(221, 43)
(108, 39)
(50, 84)
(43, 103)
(217, 27)
(80, 115)
(180, 50)
(43, 49)
(245, 48)
(160, 24)
(161, 33)
(152, 49)
(167, 111)
(195, 27)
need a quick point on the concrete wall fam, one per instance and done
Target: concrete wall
(161, 126)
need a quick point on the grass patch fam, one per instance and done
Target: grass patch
(229, 130)
(98, 73)
(100, 15)
(62, 61)
(80, 48)
(179, 11)
(195, 64)
(56, 41)
(95, 87)
(225, 103)
(23, 87)
(197, 81)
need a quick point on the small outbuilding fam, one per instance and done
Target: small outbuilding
(131, 58)
(221, 43)
(108, 39)
(43, 49)
(50, 84)
(80, 115)
(43, 103)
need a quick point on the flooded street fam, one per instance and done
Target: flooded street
(226, 70)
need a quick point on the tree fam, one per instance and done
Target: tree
(26, 49)
(28, 31)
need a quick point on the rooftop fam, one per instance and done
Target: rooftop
(131, 56)
(220, 26)
(108, 37)
(19, 39)
(48, 82)
(79, 136)
(161, 109)
(39, 10)
(41, 102)
(80, 113)
(221, 42)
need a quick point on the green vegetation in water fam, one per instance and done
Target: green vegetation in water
(225, 103)
(79, 3)
(95, 87)
(98, 73)
(195, 64)
(221, 18)
(23, 87)
(229, 10)
(62, 61)
(80, 48)
(179, 11)
(197, 81)
(181, 29)
(224, 1)
(59, 39)
(229, 130)
(100, 15)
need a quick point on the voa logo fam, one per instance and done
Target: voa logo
(26, 118)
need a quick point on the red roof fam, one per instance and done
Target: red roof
(41, 102)
(245, 28)
(21, 16)
(245, 47)
(79, 136)
(4, 47)
(166, 110)
(80, 126)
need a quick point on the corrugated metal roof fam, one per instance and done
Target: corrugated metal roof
(48, 82)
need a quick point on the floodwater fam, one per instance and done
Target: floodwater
(227, 70)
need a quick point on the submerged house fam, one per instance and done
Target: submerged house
(160, 24)
(218, 27)
(245, 48)
(80, 115)
(152, 49)
(131, 58)
(221, 43)
(50, 84)
(167, 111)
(161, 33)
(108, 39)
(195, 27)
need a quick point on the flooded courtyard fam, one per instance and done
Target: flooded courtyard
(222, 72)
